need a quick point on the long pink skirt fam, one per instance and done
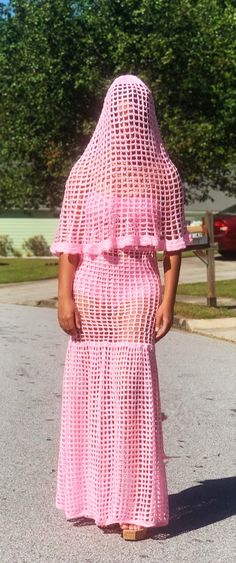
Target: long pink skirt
(111, 465)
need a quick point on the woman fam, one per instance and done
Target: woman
(123, 200)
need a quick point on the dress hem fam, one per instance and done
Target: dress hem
(109, 522)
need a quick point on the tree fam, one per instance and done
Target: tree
(47, 92)
(57, 58)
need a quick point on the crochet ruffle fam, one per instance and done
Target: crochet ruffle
(128, 241)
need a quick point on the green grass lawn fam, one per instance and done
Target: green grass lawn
(26, 269)
(185, 254)
(224, 288)
(195, 311)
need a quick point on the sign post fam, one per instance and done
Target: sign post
(211, 292)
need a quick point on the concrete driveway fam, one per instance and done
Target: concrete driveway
(194, 270)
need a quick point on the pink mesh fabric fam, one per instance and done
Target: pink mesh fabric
(124, 191)
(123, 200)
(111, 462)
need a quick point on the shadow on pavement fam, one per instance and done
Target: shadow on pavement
(209, 502)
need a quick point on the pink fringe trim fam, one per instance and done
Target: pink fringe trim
(133, 241)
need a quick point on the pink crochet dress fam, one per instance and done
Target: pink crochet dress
(123, 200)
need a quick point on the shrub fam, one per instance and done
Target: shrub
(16, 252)
(5, 245)
(37, 246)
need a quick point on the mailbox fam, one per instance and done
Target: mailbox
(200, 235)
(203, 237)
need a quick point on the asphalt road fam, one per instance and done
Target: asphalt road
(197, 384)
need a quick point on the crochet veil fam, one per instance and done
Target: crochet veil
(124, 191)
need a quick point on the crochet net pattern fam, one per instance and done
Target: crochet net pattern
(112, 461)
(124, 191)
(123, 200)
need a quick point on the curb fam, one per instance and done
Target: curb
(52, 303)
(209, 327)
(206, 327)
(191, 324)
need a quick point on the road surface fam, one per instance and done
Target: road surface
(197, 388)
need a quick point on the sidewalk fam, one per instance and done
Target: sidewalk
(43, 294)
(223, 328)
(28, 293)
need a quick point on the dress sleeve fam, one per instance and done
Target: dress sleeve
(70, 225)
(173, 227)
